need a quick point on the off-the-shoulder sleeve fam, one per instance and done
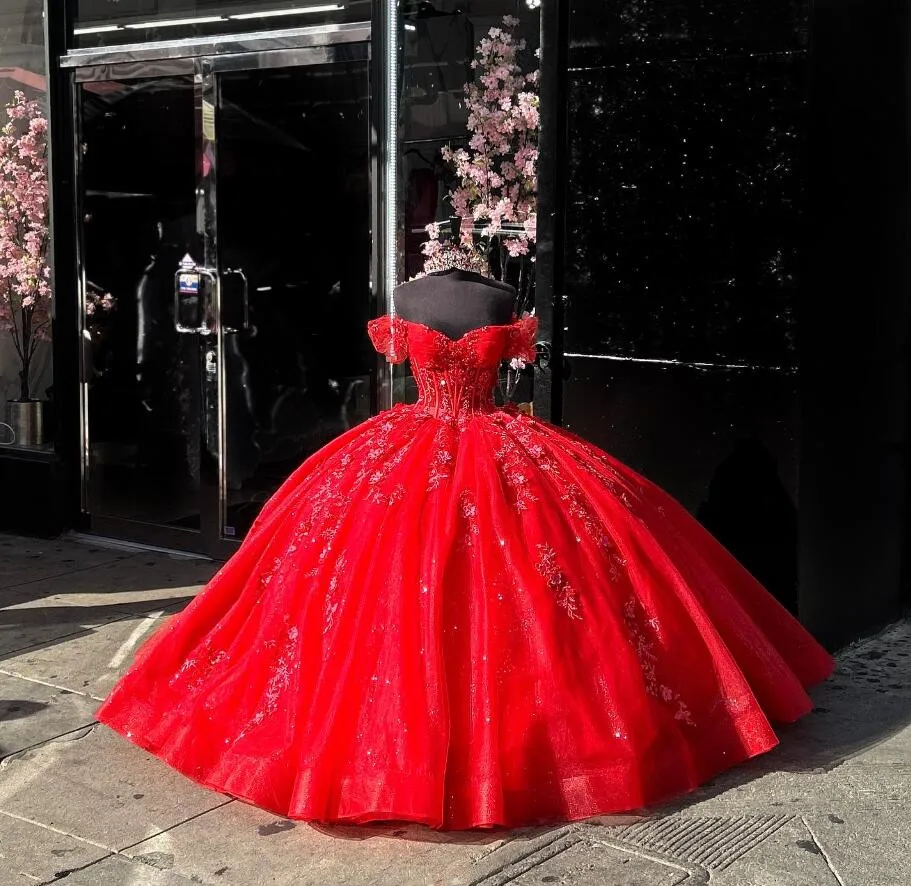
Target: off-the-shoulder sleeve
(390, 337)
(522, 337)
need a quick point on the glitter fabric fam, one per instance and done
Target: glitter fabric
(461, 615)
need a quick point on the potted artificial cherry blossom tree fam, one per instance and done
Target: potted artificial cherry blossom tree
(25, 286)
(495, 202)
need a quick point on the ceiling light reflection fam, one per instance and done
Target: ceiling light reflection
(96, 29)
(175, 22)
(297, 10)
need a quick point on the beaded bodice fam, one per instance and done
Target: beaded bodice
(455, 377)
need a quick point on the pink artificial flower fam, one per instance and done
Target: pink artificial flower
(497, 172)
(517, 247)
(431, 247)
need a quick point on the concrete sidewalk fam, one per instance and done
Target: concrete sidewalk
(79, 805)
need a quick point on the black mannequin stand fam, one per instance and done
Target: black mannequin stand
(455, 301)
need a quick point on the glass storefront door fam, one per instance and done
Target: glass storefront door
(226, 270)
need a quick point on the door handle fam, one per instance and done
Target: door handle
(190, 296)
(545, 354)
(245, 301)
(545, 361)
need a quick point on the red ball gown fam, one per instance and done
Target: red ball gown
(461, 615)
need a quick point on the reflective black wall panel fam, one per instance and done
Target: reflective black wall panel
(723, 440)
(685, 248)
(684, 231)
(738, 279)
(625, 30)
(854, 321)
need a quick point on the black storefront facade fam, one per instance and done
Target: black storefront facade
(719, 279)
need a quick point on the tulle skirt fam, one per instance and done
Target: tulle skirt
(492, 623)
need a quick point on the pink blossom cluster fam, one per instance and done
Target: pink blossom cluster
(25, 286)
(497, 191)
(98, 301)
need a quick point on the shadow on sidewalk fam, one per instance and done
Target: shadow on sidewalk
(418, 833)
(864, 704)
(30, 630)
(64, 590)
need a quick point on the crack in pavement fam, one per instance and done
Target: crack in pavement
(822, 851)
(86, 728)
(62, 875)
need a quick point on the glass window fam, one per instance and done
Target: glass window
(438, 45)
(22, 71)
(114, 22)
(441, 53)
(686, 181)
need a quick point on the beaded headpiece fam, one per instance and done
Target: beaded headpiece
(451, 256)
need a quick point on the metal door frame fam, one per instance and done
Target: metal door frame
(205, 60)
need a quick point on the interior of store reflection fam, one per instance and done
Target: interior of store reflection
(293, 211)
(293, 195)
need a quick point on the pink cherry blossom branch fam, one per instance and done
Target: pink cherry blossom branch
(496, 172)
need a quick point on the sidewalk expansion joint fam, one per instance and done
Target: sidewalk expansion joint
(695, 874)
(49, 827)
(79, 632)
(68, 572)
(125, 849)
(66, 689)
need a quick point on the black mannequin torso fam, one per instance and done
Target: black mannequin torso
(454, 302)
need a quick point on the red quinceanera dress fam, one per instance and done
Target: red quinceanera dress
(461, 615)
